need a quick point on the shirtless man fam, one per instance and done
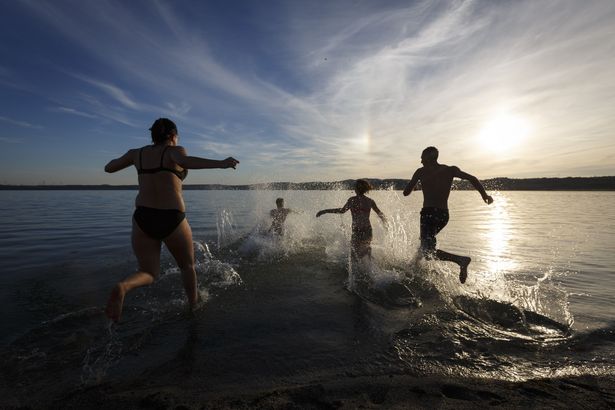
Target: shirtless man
(436, 180)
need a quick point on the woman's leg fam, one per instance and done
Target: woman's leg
(147, 251)
(180, 246)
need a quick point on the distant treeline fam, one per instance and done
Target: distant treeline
(502, 184)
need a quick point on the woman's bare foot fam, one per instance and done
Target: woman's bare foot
(115, 303)
(463, 268)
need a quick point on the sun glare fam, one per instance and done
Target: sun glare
(504, 132)
(363, 141)
(499, 235)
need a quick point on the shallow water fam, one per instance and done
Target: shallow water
(538, 301)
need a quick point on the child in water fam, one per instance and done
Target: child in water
(278, 217)
(360, 207)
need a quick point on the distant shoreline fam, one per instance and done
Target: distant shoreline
(606, 183)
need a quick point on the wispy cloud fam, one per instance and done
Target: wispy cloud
(443, 72)
(109, 112)
(72, 111)
(358, 89)
(111, 90)
(179, 110)
(11, 140)
(19, 123)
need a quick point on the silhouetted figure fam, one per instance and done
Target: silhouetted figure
(360, 207)
(436, 181)
(159, 216)
(278, 217)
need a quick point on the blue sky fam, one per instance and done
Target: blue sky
(308, 90)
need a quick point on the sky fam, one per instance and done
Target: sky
(308, 90)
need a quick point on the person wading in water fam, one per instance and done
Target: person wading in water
(159, 215)
(436, 181)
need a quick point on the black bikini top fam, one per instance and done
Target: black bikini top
(179, 174)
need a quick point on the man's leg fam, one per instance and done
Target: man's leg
(462, 261)
(432, 222)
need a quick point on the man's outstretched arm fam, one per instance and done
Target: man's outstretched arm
(475, 183)
(415, 179)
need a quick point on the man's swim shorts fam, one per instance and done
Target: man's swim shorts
(432, 222)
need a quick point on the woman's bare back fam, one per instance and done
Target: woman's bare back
(162, 190)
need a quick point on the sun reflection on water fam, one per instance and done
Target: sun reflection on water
(498, 237)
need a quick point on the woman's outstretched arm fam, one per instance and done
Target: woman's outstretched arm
(122, 162)
(180, 157)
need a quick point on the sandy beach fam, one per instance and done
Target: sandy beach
(378, 392)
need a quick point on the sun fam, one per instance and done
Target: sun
(504, 132)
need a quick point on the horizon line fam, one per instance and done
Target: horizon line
(344, 181)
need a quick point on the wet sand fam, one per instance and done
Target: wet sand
(390, 392)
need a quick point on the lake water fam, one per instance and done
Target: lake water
(538, 301)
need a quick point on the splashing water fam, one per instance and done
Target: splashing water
(210, 271)
(225, 226)
(386, 287)
(102, 355)
(395, 277)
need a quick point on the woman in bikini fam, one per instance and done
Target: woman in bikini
(159, 216)
(360, 207)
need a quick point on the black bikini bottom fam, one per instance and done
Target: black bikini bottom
(158, 223)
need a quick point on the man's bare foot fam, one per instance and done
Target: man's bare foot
(115, 303)
(463, 268)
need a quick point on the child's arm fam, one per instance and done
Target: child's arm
(335, 210)
(380, 214)
(331, 211)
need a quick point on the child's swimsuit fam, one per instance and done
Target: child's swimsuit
(158, 223)
(279, 216)
(432, 222)
(361, 229)
(361, 235)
